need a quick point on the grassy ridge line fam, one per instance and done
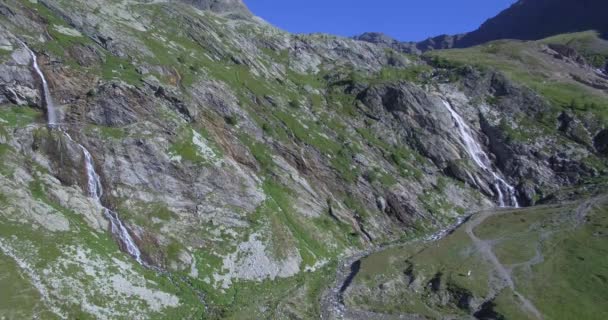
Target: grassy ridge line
(523, 62)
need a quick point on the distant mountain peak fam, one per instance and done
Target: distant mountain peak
(537, 19)
(524, 20)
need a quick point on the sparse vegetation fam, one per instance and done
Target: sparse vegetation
(552, 258)
(287, 156)
(524, 63)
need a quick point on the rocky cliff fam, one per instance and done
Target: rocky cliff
(243, 160)
(235, 8)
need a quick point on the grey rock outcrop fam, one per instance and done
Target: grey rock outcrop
(386, 41)
(234, 8)
(601, 142)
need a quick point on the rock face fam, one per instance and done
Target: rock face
(237, 154)
(601, 142)
(233, 7)
(386, 41)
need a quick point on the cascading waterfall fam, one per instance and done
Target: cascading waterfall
(96, 191)
(51, 111)
(94, 185)
(481, 158)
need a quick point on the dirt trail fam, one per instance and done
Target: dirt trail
(583, 209)
(332, 301)
(485, 248)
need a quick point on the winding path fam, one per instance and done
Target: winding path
(485, 248)
(332, 301)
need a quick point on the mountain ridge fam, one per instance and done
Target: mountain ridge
(523, 20)
(236, 8)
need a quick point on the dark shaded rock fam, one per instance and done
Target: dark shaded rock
(509, 97)
(6, 11)
(174, 100)
(400, 208)
(420, 116)
(460, 297)
(435, 282)
(115, 104)
(593, 82)
(600, 142)
(527, 193)
(487, 312)
(439, 42)
(566, 52)
(572, 171)
(19, 95)
(574, 129)
(499, 146)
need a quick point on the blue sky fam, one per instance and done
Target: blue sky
(403, 19)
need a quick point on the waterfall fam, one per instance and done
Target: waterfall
(94, 186)
(482, 160)
(51, 111)
(96, 191)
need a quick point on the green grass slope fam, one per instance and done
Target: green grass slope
(528, 63)
(555, 256)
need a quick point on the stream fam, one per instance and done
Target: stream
(332, 301)
(481, 158)
(94, 185)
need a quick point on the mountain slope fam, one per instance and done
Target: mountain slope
(231, 7)
(245, 161)
(493, 262)
(537, 19)
(524, 20)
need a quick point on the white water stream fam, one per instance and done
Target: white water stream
(48, 100)
(481, 158)
(95, 188)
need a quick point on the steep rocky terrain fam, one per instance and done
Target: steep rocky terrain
(245, 161)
